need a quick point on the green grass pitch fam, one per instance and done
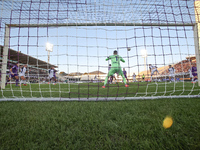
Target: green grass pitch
(101, 125)
(88, 90)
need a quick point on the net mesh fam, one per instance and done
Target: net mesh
(84, 34)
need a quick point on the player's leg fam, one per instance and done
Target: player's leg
(126, 77)
(50, 79)
(121, 73)
(170, 77)
(195, 76)
(8, 79)
(173, 78)
(17, 79)
(23, 80)
(54, 77)
(157, 71)
(111, 72)
(152, 72)
(111, 79)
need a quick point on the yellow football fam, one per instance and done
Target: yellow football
(167, 122)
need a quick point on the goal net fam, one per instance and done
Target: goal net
(68, 50)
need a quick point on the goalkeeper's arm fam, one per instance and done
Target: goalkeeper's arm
(121, 59)
(108, 58)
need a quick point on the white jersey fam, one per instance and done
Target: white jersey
(22, 71)
(171, 70)
(51, 73)
(134, 76)
(152, 67)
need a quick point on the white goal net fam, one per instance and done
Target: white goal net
(99, 50)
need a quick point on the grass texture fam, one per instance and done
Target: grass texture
(100, 125)
(88, 90)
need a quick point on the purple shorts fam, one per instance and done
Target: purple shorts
(12, 76)
(194, 74)
(125, 76)
(54, 76)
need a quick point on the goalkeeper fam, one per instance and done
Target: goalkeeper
(116, 68)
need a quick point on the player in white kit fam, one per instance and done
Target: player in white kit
(52, 75)
(23, 71)
(152, 70)
(171, 72)
(134, 77)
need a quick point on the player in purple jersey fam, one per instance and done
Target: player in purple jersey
(194, 71)
(124, 72)
(14, 74)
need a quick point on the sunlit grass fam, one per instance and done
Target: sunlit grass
(88, 90)
(100, 125)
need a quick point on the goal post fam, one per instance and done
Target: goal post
(197, 48)
(196, 29)
(5, 56)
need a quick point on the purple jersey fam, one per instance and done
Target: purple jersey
(14, 69)
(194, 69)
(124, 72)
(53, 71)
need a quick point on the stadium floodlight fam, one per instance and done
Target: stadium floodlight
(144, 55)
(49, 48)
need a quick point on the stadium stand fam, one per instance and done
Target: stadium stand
(95, 76)
(38, 69)
(181, 70)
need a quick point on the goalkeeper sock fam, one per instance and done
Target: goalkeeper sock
(106, 80)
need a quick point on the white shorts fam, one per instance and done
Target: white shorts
(21, 74)
(134, 78)
(191, 76)
(171, 75)
(50, 76)
(154, 70)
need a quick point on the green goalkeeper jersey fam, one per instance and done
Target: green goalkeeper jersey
(115, 60)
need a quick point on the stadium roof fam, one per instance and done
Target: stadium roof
(96, 72)
(24, 59)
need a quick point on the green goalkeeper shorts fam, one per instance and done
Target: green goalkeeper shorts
(115, 70)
